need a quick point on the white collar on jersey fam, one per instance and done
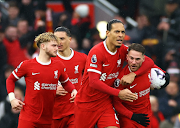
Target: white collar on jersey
(48, 63)
(112, 53)
(67, 58)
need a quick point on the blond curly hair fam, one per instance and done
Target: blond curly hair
(46, 37)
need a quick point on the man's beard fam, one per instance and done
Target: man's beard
(118, 46)
(50, 54)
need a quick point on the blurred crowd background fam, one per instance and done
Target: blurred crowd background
(153, 23)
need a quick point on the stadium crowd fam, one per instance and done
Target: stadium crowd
(157, 29)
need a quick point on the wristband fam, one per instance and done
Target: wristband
(11, 96)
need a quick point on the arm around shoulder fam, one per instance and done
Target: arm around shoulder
(96, 83)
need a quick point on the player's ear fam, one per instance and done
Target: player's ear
(107, 33)
(143, 58)
(127, 56)
(42, 45)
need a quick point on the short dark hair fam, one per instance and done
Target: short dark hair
(109, 25)
(63, 29)
(137, 47)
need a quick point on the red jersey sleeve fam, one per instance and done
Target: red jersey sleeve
(64, 79)
(15, 75)
(155, 66)
(68, 86)
(10, 83)
(119, 107)
(94, 61)
(101, 86)
(21, 70)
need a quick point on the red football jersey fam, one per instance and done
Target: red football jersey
(41, 83)
(75, 65)
(140, 86)
(102, 61)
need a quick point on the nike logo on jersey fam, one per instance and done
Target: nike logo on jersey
(35, 73)
(133, 86)
(104, 65)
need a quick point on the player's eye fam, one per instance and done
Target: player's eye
(137, 58)
(54, 45)
(131, 58)
(61, 38)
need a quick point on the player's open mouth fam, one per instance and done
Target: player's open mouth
(133, 66)
(119, 41)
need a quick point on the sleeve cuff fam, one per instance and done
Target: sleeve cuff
(11, 96)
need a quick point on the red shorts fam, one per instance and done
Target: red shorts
(88, 119)
(66, 122)
(128, 123)
(29, 124)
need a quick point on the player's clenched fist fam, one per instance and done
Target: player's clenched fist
(128, 79)
(127, 95)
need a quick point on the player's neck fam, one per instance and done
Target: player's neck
(44, 57)
(65, 53)
(110, 46)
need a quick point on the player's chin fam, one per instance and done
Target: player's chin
(53, 55)
(118, 45)
(134, 68)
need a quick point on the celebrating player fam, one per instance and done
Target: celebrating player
(63, 112)
(105, 60)
(41, 76)
(140, 86)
